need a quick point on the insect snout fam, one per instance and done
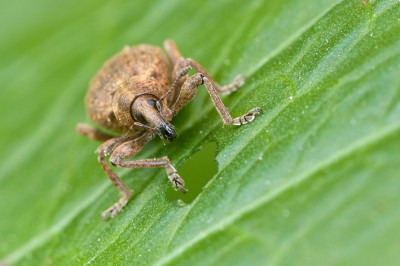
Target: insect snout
(145, 110)
(167, 131)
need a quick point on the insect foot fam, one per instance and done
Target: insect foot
(247, 118)
(117, 207)
(176, 180)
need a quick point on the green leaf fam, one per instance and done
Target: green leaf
(312, 181)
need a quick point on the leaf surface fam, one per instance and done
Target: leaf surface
(312, 181)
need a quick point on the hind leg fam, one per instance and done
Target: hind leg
(121, 151)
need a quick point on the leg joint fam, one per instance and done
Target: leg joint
(115, 160)
(202, 77)
(100, 156)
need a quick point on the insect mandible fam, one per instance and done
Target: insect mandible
(136, 94)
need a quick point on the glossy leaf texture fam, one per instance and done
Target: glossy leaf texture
(314, 180)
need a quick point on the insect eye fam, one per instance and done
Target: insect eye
(152, 103)
(139, 116)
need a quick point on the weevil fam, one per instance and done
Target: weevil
(135, 95)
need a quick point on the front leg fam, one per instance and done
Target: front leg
(125, 191)
(188, 91)
(184, 93)
(178, 183)
(180, 63)
(126, 150)
(237, 82)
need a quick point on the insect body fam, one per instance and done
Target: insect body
(135, 94)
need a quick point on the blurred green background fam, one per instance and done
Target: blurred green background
(313, 181)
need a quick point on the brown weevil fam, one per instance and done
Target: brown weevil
(136, 94)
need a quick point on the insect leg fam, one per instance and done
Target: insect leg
(176, 58)
(223, 112)
(92, 133)
(188, 87)
(233, 86)
(188, 91)
(124, 151)
(172, 51)
(125, 191)
(179, 75)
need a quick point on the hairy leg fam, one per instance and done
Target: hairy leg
(184, 88)
(92, 133)
(125, 191)
(237, 82)
(123, 151)
(179, 63)
(173, 176)
(189, 89)
(126, 150)
(172, 51)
